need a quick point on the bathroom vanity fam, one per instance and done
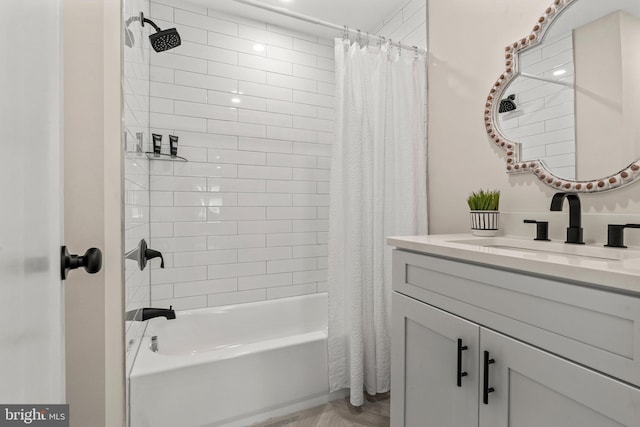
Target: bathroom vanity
(511, 332)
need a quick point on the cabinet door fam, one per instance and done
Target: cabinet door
(424, 367)
(533, 388)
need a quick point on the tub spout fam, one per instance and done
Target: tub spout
(143, 314)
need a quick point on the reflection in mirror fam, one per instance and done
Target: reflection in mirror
(543, 121)
(577, 93)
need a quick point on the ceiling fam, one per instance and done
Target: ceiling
(366, 15)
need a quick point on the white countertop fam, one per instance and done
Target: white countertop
(613, 268)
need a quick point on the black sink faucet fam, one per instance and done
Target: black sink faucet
(615, 235)
(574, 231)
(143, 314)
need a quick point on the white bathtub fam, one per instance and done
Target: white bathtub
(232, 365)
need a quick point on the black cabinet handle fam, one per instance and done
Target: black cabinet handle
(91, 261)
(459, 373)
(486, 389)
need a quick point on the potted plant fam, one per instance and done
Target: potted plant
(484, 207)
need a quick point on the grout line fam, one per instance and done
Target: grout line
(279, 125)
(248, 68)
(252, 96)
(269, 29)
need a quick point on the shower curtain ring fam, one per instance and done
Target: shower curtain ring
(359, 37)
(367, 45)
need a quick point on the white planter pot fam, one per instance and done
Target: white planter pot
(485, 223)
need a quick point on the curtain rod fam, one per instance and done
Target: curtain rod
(310, 19)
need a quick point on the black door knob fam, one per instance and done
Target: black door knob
(91, 261)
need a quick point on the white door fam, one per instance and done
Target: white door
(31, 316)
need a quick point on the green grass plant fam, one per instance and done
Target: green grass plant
(484, 200)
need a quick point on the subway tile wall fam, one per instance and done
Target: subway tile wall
(544, 121)
(408, 24)
(246, 218)
(136, 178)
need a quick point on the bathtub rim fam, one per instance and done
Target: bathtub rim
(148, 362)
(197, 311)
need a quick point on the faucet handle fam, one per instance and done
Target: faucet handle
(615, 234)
(141, 254)
(542, 229)
(150, 254)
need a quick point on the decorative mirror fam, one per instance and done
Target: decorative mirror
(567, 106)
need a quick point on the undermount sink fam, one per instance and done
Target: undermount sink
(559, 248)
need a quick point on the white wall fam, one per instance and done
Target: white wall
(463, 65)
(246, 218)
(607, 46)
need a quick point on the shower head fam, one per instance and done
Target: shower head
(507, 104)
(165, 40)
(160, 41)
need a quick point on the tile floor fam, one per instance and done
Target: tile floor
(338, 413)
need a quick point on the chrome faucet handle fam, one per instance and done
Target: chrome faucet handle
(542, 229)
(615, 234)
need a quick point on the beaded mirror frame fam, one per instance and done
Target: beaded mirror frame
(512, 149)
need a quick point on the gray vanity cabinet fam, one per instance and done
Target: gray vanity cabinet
(530, 381)
(424, 376)
(534, 388)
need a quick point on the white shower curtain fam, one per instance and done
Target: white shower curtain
(378, 189)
